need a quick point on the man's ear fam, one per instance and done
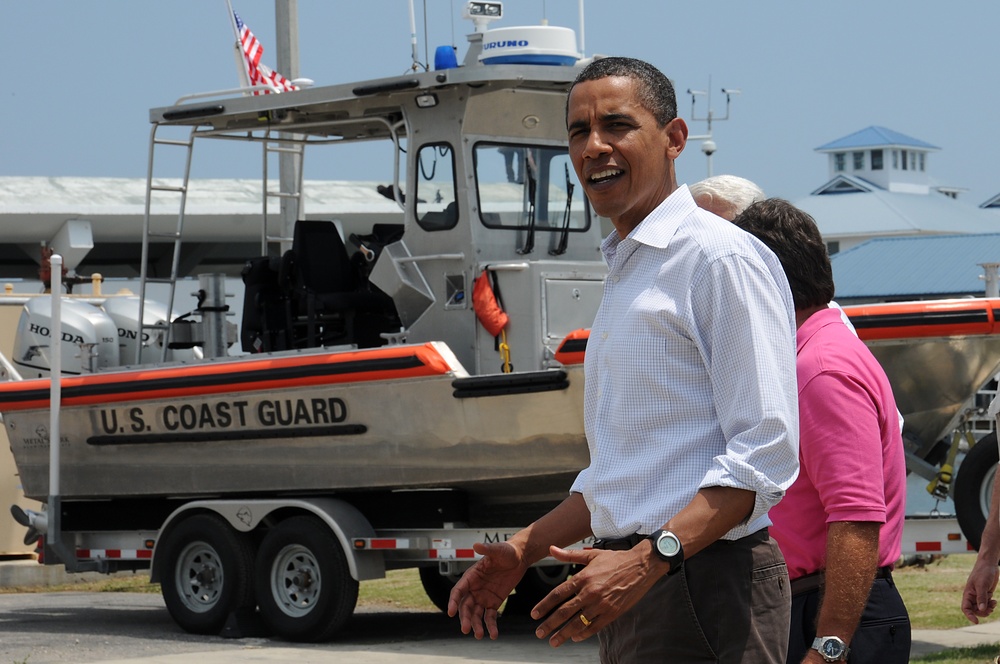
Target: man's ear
(677, 132)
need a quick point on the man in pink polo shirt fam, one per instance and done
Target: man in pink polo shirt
(840, 524)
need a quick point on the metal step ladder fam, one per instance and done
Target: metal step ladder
(281, 145)
(291, 190)
(157, 144)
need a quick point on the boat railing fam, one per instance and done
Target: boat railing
(228, 92)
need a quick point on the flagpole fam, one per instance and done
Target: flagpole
(232, 19)
(241, 61)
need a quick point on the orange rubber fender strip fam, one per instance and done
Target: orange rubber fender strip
(250, 375)
(926, 319)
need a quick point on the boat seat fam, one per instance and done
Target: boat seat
(325, 290)
(265, 324)
(440, 221)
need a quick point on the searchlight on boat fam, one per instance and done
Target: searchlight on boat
(483, 13)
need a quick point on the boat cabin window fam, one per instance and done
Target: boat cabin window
(523, 187)
(436, 206)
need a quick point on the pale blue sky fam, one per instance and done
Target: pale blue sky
(81, 76)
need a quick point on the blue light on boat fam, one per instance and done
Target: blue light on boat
(444, 58)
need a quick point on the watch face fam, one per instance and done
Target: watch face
(668, 545)
(831, 648)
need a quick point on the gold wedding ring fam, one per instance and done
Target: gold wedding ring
(584, 620)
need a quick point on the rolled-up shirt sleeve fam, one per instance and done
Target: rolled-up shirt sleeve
(747, 337)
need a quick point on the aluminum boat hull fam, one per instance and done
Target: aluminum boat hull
(403, 417)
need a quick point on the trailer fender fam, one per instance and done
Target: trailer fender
(344, 520)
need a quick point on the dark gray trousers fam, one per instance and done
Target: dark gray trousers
(729, 603)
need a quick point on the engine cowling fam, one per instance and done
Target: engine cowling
(89, 339)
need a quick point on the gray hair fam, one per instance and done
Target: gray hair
(726, 195)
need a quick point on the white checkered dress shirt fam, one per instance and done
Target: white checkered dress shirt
(690, 373)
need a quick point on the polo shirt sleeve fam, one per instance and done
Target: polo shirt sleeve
(841, 441)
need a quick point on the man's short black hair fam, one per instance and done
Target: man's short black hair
(795, 239)
(656, 92)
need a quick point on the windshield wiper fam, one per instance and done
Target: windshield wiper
(530, 181)
(564, 236)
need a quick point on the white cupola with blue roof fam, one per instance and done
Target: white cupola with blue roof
(883, 157)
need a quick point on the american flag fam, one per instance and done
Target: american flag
(259, 73)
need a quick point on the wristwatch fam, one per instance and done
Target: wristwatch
(669, 549)
(831, 648)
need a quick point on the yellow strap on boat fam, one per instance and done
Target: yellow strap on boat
(940, 486)
(505, 352)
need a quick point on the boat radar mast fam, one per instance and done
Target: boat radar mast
(708, 145)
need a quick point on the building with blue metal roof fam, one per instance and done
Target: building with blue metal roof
(876, 137)
(892, 269)
(880, 185)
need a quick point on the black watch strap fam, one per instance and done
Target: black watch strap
(667, 546)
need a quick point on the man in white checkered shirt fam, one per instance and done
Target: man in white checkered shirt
(690, 413)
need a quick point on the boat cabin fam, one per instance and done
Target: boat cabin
(478, 182)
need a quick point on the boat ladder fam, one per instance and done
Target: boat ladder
(165, 188)
(288, 149)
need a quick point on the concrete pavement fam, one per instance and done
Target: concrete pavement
(929, 641)
(510, 649)
(925, 642)
(437, 642)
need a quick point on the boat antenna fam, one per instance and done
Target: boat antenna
(427, 53)
(413, 38)
(452, 14)
(583, 52)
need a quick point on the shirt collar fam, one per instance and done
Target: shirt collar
(814, 324)
(658, 226)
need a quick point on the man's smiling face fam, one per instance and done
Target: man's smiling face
(621, 155)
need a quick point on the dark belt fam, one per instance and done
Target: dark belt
(626, 543)
(814, 581)
(619, 544)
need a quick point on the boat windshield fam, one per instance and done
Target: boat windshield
(436, 206)
(530, 188)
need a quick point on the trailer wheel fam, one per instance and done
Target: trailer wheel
(437, 586)
(304, 588)
(207, 573)
(536, 584)
(974, 488)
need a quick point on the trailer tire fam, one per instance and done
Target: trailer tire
(208, 569)
(304, 587)
(974, 488)
(437, 586)
(538, 582)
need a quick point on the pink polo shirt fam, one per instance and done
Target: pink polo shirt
(852, 466)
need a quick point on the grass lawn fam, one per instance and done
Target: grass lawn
(933, 592)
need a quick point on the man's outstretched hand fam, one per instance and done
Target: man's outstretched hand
(477, 596)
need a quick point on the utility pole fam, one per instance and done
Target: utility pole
(286, 27)
(708, 145)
